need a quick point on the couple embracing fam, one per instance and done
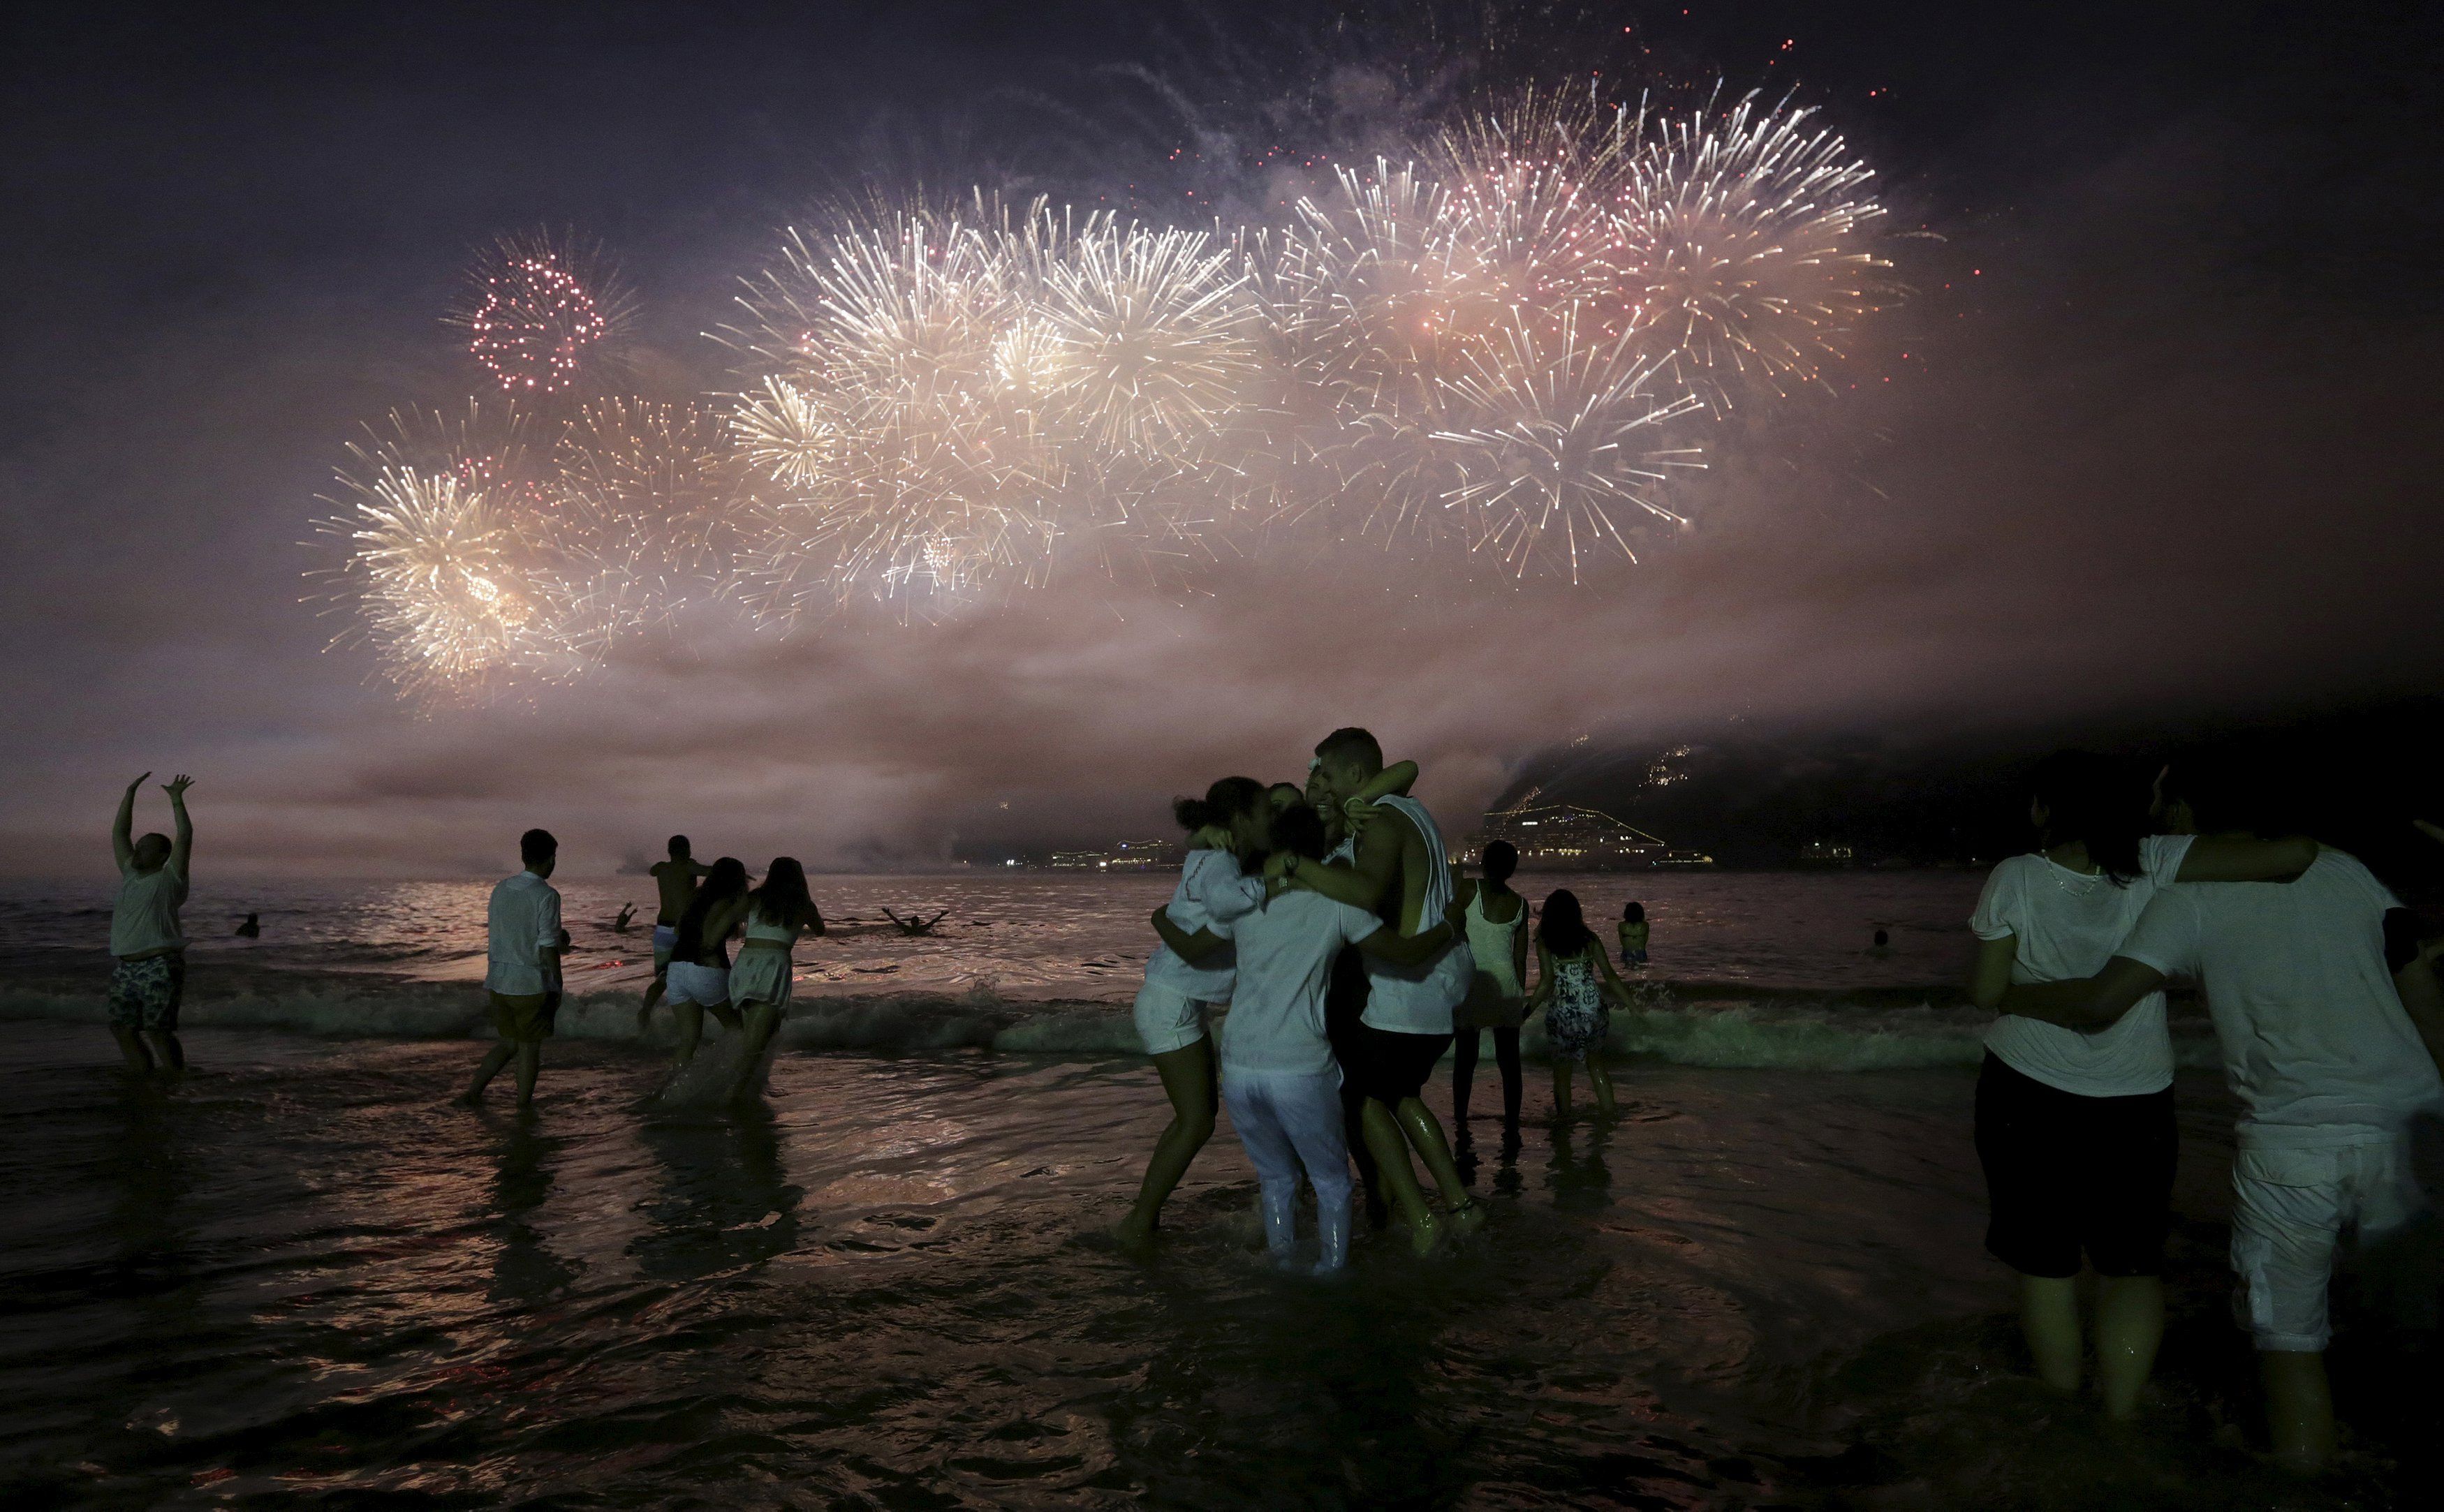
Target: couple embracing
(1279, 883)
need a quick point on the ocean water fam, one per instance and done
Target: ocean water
(300, 1276)
(1749, 970)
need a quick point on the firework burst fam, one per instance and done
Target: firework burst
(537, 309)
(1151, 339)
(1564, 441)
(448, 563)
(1748, 249)
(651, 491)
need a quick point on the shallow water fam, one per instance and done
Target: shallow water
(1024, 935)
(299, 1275)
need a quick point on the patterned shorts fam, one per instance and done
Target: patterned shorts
(145, 994)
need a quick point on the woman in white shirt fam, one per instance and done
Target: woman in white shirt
(2074, 1131)
(1171, 1006)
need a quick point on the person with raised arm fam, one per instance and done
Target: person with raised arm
(1400, 871)
(2332, 1028)
(148, 947)
(522, 973)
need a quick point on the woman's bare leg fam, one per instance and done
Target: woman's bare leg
(1601, 1081)
(2050, 1319)
(1561, 1089)
(1464, 1048)
(688, 1019)
(1506, 1056)
(1187, 1080)
(2129, 1326)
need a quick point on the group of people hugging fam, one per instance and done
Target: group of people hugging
(1327, 918)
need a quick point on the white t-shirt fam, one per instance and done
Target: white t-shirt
(144, 916)
(523, 922)
(1286, 953)
(2315, 1042)
(2068, 925)
(1212, 890)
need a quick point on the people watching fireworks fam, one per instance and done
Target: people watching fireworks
(522, 973)
(2332, 1028)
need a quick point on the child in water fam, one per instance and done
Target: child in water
(1633, 933)
(1574, 976)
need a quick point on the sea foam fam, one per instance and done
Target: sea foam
(1768, 1031)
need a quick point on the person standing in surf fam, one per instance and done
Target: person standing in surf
(675, 885)
(1399, 871)
(2074, 1131)
(1497, 997)
(1279, 1076)
(1574, 978)
(699, 969)
(1171, 1006)
(522, 935)
(778, 914)
(148, 946)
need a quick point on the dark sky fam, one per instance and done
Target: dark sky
(2156, 429)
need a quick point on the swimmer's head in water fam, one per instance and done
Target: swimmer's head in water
(1883, 938)
(151, 851)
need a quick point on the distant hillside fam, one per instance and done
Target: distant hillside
(1759, 800)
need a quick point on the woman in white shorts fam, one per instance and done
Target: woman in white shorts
(777, 914)
(1171, 1006)
(699, 974)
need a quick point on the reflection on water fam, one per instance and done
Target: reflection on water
(299, 1274)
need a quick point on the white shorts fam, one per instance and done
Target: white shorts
(761, 975)
(705, 984)
(1168, 1019)
(2290, 1210)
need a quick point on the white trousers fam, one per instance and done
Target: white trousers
(2292, 1209)
(1288, 1121)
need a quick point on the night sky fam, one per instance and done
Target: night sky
(2156, 429)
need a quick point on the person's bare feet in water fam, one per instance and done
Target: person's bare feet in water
(1466, 1218)
(1134, 1234)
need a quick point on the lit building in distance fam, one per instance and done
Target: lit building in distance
(1567, 838)
(1127, 855)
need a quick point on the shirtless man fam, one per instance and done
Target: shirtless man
(675, 880)
(1400, 873)
(150, 973)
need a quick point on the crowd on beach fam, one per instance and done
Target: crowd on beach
(1351, 956)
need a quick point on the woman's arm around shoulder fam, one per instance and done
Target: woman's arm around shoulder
(2223, 858)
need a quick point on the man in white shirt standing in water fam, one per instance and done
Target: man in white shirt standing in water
(2332, 1028)
(150, 976)
(523, 975)
(1401, 873)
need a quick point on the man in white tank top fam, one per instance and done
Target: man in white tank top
(1401, 873)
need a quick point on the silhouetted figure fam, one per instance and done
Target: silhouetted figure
(149, 975)
(911, 925)
(248, 929)
(627, 912)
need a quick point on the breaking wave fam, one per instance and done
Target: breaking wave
(1781, 1031)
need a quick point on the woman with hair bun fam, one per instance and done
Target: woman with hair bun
(1227, 823)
